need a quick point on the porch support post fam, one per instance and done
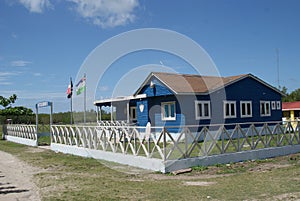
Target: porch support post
(128, 108)
(100, 113)
(111, 112)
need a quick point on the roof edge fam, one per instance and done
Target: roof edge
(242, 76)
(148, 78)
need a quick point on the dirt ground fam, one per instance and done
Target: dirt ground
(16, 177)
(16, 180)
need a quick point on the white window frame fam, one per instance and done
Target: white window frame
(278, 105)
(230, 104)
(133, 111)
(265, 106)
(273, 103)
(163, 116)
(198, 116)
(248, 113)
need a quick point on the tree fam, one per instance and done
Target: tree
(293, 96)
(16, 111)
(19, 114)
(5, 102)
(284, 90)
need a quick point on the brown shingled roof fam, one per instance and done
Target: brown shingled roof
(180, 83)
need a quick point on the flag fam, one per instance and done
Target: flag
(80, 86)
(70, 89)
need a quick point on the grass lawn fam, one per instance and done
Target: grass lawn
(67, 177)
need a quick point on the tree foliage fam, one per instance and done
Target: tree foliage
(19, 113)
(16, 111)
(293, 96)
(5, 102)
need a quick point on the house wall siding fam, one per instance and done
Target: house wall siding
(247, 89)
(159, 90)
(142, 117)
(155, 111)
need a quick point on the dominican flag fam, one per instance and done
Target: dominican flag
(70, 89)
(80, 86)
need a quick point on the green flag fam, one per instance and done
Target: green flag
(80, 86)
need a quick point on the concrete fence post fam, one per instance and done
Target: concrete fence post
(4, 131)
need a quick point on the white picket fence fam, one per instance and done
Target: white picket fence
(157, 148)
(166, 145)
(22, 134)
(22, 131)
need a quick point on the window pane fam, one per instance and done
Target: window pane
(232, 110)
(249, 109)
(262, 108)
(166, 110)
(267, 108)
(200, 109)
(227, 109)
(172, 110)
(273, 105)
(243, 109)
(278, 105)
(206, 110)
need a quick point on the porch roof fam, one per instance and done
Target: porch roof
(109, 101)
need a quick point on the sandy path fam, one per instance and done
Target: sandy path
(16, 180)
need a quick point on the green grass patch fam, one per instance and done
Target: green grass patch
(67, 177)
(44, 141)
(199, 168)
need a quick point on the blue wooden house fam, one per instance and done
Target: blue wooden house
(167, 99)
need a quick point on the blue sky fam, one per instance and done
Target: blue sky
(44, 42)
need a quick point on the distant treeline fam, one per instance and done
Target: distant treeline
(58, 118)
(23, 115)
(290, 97)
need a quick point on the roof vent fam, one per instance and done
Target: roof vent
(152, 85)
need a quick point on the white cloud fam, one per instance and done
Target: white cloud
(37, 74)
(20, 63)
(107, 13)
(36, 6)
(5, 83)
(41, 95)
(4, 76)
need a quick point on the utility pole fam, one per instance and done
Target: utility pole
(277, 59)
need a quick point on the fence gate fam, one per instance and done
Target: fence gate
(43, 131)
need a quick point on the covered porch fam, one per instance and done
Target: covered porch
(291, 112)
(122, 109)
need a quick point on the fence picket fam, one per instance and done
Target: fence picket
(160, 143)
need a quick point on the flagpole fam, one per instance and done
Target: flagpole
(71, 110)
(71, 102)
(84, 101)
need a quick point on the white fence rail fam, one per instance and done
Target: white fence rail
(169, 148)
(21, 133)
(187, 143)
(116, 139)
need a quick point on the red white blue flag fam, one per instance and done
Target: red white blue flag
(70, 89)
